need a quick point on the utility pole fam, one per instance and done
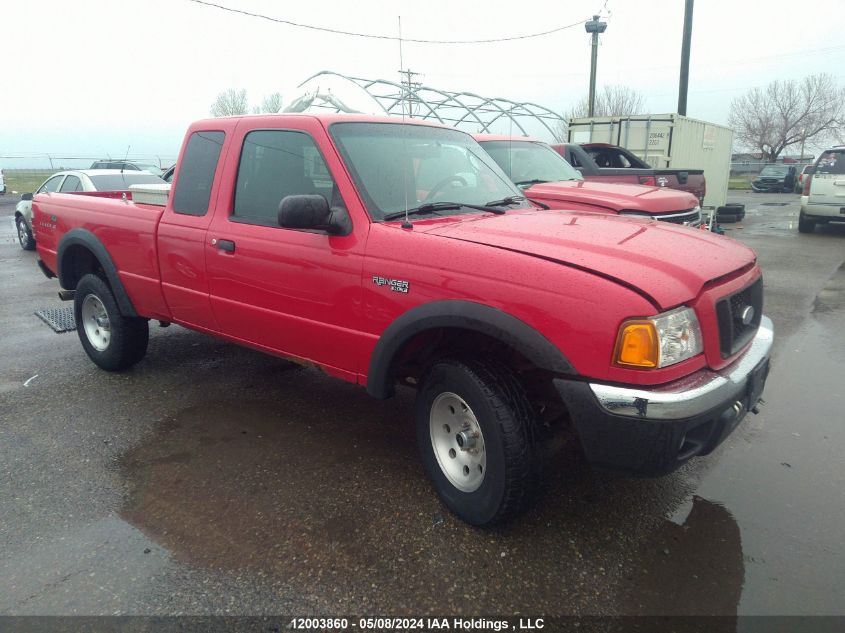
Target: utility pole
(410, 90)
(683, 86)
(594, 27)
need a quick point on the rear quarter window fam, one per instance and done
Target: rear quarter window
(831, 162)
(196, 173)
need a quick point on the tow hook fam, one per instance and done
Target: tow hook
(756, 408)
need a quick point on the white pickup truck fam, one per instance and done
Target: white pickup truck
(823, 198)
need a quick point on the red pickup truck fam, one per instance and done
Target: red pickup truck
(546, 178)
(393, 253)
(611, 163)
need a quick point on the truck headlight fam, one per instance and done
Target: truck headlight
(659, 341)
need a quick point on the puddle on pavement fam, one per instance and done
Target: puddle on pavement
(692, 568)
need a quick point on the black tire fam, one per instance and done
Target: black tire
(805, 225)
(25, 238)
(509, 431)
(731, 212)
(127, 337)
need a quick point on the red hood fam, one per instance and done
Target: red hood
(614, 196)
(668, 263)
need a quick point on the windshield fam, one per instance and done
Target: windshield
(527, 161)
(158, 171)
(397, 167)
(774, 170)
(121, 182)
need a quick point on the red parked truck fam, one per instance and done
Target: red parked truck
(393, 253)
(611, 163)
(546, 178)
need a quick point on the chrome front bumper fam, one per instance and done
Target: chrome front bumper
(694, 395)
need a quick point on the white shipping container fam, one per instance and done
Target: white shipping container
(666, 141)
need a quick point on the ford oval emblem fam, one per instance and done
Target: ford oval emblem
(747, 315)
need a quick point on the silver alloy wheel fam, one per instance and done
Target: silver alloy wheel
(457, 442)
(95, 322)
(23, 233)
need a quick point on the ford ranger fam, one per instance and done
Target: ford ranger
(387, 252)
(547, 179)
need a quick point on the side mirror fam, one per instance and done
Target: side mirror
(313, 212)
(26, 196)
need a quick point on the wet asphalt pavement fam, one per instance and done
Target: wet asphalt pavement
(214, 479)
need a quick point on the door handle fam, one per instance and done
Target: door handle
(227, 246)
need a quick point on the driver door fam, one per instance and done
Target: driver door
(295, 292)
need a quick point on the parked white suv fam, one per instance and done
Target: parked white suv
(823, 198)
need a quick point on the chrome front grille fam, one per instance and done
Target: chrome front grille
(690, 217)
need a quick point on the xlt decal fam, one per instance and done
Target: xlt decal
(396, 285)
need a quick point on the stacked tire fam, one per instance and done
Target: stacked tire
(730, 213)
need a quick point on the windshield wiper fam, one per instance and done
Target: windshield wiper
(534, 181)
(505, 202)
(440, 206)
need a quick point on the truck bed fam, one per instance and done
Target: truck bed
(689, 180)
(128, 228)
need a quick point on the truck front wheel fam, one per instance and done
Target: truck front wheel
(478, 440)
(112, 341)
(25, 238)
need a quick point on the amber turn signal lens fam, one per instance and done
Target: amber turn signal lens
(637, 345)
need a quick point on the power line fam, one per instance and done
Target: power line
(385, 37)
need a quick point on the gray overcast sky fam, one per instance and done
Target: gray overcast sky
(91, 77)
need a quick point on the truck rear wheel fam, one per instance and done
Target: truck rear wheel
(112, 341)
(478, 440)
(805, 225)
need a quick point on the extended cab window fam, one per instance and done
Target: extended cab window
(275, 164)
(196, 173)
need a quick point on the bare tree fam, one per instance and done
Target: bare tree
(230, 102)
(788, 112)
(271, 104)
(610, 101)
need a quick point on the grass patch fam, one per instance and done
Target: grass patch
(25, 180)
(741, 182)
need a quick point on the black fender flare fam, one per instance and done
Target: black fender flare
(86, 239)
(467, 315)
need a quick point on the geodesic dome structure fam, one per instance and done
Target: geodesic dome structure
(328, 90)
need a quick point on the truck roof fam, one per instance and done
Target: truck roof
(326, 118)
(504, 137)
